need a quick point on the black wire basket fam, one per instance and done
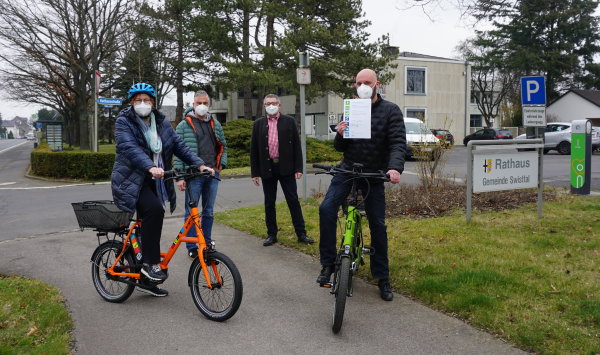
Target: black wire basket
(101, 215)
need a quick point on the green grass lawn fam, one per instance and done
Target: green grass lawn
(533, 282)
(33, 318)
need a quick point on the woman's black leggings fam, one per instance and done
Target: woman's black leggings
(151, 210)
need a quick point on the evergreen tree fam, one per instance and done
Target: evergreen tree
(253, 45)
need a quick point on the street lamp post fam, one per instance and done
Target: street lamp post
(303, 78)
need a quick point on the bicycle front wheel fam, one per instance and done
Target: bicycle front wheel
(342, 283)
(220, 302)
(110, 287)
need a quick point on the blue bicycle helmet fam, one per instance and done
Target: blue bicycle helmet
(141, 88)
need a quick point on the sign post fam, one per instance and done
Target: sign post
(303, 78)
(499, 165)
(581, 157)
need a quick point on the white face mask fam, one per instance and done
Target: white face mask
(272, 109)
(201, 110)
(143, 109)
(364, 91)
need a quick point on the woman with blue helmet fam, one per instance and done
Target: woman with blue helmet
(146, 143)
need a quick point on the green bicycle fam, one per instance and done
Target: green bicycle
(352, 249)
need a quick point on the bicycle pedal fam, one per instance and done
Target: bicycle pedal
(368, 250)
(326, 285)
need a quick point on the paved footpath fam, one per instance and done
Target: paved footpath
(282, 312)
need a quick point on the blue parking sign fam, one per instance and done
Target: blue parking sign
(533, 90)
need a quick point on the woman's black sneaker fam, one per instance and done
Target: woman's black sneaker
(193, 253)
(154, 272)
(154, 291)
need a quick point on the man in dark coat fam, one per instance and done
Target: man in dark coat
(384, 151)
(276, 155)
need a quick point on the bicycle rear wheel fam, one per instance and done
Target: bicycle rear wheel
(342, 283)
(110, 287)
(223, 300)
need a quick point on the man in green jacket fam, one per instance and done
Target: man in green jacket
(204, 136)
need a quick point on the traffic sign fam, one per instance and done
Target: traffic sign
(109, 101)
(533, 90)
(534, 116)
(303, 76)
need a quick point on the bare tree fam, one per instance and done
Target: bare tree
(490, 85)
(51, 49)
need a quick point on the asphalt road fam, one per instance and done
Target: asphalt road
(283, 310)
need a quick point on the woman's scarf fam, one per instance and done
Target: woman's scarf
(155, 144)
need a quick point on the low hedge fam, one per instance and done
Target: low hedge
(98, 166)
(71, 164)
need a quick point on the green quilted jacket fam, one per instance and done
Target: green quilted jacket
(185, 130)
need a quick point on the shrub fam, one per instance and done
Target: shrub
(71, 164)
(239, 132)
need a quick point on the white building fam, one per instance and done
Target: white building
(575, 104)
(18, 126)
(434, 89)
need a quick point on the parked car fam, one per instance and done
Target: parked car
(595, 139)
(488, 134)
(557, 136)
(446, 138)
(419, 139)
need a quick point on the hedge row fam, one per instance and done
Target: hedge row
(71, 164)
(98, 166)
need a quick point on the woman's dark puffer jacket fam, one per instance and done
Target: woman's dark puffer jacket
(134, 158)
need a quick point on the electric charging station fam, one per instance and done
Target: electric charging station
(581, 157)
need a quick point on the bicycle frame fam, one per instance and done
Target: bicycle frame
(193, 221)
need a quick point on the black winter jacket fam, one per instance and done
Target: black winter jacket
(134, 158)
(290, 151)
(387, 147)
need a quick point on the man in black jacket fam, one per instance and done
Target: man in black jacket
(383, 152)
(276, 155)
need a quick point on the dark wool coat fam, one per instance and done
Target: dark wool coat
(290, 151)
(134, 158)
(387, 147)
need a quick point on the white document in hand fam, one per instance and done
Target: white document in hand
(357, 112)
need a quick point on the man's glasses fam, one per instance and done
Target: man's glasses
(146, 101)
(271, 103)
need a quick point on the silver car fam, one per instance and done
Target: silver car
(557, 136)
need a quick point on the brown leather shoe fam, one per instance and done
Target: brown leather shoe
(270, 240)
(303, 238)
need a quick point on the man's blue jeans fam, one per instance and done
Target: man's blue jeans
(205, 188)
(375, 208)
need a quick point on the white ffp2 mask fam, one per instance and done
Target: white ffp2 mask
(143, 109)
(272, 109)
(201, 110)
(364, 91)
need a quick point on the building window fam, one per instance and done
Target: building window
(415, 80)
(476, 121)
(474, 96)
(418, 113)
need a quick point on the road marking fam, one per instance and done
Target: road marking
(7, 183)
(14, 146)
(53, 187)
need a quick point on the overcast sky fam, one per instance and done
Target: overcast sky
(410, 29)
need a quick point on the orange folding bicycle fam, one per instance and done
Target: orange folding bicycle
(214, 280)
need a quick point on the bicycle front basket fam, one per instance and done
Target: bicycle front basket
(101, 215)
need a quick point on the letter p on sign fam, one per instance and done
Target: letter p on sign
(533, 90)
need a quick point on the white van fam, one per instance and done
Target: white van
(418, 137)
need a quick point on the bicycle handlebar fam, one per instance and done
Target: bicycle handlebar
(191, 173)
(333, 170)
